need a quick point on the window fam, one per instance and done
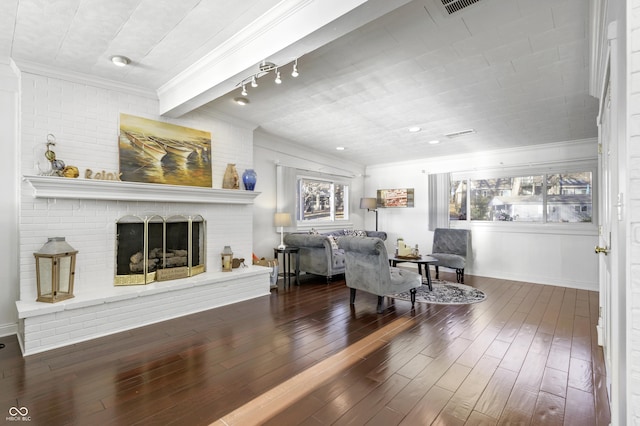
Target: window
(569, 197)
(458, 200)
(550, 198)
(506, 199)
(322, 200)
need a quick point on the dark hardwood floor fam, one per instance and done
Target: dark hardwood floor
(526, 355)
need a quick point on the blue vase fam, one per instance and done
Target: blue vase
(249, 178)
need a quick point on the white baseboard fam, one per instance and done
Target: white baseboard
(538, 279)
(8, 329)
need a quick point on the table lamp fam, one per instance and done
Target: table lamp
(370, 204)
(282, 220)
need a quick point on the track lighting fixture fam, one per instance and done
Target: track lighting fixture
(263, 69)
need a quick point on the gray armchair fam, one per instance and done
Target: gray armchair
(367, 269)
(450, 247)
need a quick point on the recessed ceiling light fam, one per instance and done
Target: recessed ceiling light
(434, 142)
(340, 148)
(414, 129)
(120, 61)
(241, 101)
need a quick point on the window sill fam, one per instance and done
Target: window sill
(323, 227)
(529, 227)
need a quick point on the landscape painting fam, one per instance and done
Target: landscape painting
(156, 152)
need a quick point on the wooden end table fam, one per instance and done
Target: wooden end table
(286, 263)
(421, 260)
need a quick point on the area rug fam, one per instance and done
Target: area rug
(444, 293)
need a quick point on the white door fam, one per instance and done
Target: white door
(611, 247)
(604, 241)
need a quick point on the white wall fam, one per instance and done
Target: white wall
(9, 91)
(538, 253)
(270, 151)
(85, 120)
(83, 114)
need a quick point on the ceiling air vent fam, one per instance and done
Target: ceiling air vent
(460, 133)
(453, 6)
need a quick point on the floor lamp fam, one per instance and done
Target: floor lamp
(370, 204)
(282, 220)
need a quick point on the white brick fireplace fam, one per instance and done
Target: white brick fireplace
(84, 118)
(85, 212)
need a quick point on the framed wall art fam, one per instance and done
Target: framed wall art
(157, 152)
(400, 197)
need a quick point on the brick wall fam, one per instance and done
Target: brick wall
(84, 119)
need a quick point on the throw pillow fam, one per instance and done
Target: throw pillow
(314, 231)
(354, 233)
(333, 241)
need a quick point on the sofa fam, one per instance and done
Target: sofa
(319, 252)
(367, 269)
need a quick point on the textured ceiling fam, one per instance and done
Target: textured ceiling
(515, 71)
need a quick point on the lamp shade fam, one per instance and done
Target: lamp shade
(368, 203)
(282, 219)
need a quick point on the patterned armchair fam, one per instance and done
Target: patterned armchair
(367, 269)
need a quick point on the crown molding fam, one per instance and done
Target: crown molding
(80, 78)
(289, 30)
(584, 150)
(256, 29)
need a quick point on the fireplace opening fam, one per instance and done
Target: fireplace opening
(155, 248)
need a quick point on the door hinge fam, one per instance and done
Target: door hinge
(620, 204)
(600, 148)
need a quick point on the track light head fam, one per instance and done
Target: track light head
(295, 73)
(244, 90)
(254, 82)
(278, 80)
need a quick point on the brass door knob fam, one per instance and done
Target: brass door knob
(602, 250)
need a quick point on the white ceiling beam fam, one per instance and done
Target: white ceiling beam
(287, 31)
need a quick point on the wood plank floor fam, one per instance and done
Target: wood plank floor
(526, 355)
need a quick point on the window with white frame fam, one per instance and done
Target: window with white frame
(322, 200)
(552, 197)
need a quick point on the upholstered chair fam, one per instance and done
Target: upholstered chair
(450, 247)
(367, 269)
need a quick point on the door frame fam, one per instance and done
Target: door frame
(614, 80)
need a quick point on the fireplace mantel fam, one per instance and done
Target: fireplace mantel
(94, 189)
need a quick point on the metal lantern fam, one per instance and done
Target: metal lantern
(227, 258)
(55, 270)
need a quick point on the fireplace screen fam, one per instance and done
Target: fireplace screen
(154, 248)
